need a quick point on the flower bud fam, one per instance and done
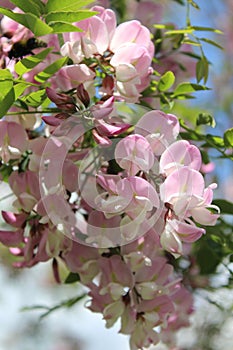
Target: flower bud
(63, 101)
(83, 95)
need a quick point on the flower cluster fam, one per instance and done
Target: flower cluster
(123, 54)
(135, 284)
(115, 200)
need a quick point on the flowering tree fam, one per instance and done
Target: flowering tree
(106, 178)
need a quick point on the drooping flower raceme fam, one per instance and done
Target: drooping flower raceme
(151, 203)
(110, 199)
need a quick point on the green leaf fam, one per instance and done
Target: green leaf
(72, 278)
(181, 2)
(21, 104)
(216, 239)
(189, 30)
(188, 41)
(5, 74)
(63, 27)
(66, 5)
(205, 119)
(208, 254)
(214, 140)
(211, 42)
(167, 104)
(205, 157)
(225, 206)
(5, 171)
(228, 138)
(191, 54)
(202, 69)
(50, 70)
(28, 63)
(30, 21)
(207, 29)
(163, 26)
(36, 98)
(187, 88)
(166, 81)
(19, 89)
(48, 310)
(40, 4)
(177, 41)
(194, 4)
(7, 94)
(29, 6)
(69, 17)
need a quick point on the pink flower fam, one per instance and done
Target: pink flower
(178, 154)
(143, 336)
(113, 127)
(176, 232)
(95, 37)
(156, 310)
(128, 56)
(103, 232)
(13, 140)
(116, 199)
(108, 17)
(11, 238)
(184, 190)
(134, 196)
(132, 32)
(42, 246)
(71, 76)
(25, 186)
(183, 302)
(145, 197)
(14, 219)
(132, 65)
(151, 279)
(116, 277)
(133, 153)
(171, 241)
(184, 195)
(82, 260)
(37, 146)
(101, 140)
(207, 168)
(160, 129)
(201, 213)
(150, 313)
(70, 175)
(102, 110)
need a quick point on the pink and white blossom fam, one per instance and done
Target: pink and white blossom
(160, 130)
(133, 153)
(13, 140)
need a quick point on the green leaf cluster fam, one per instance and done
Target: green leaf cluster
(187, 35)
(50, 18)
(7, 92)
